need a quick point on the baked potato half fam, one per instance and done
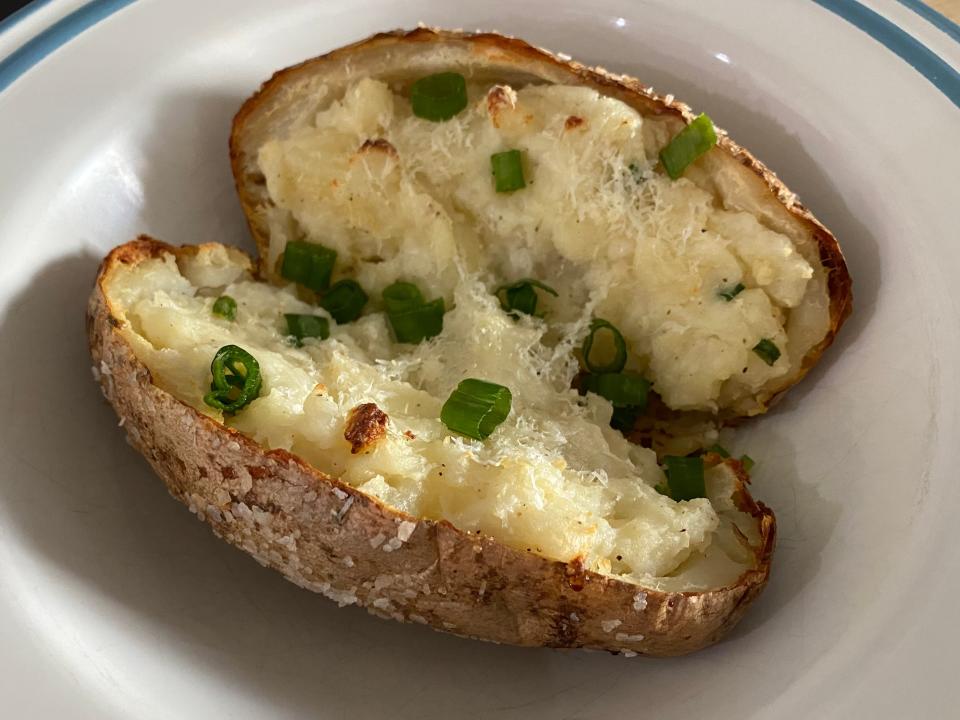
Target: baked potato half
(371, 519)
(331, 150)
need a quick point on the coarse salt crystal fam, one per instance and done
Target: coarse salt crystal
(341, 597)
(344, 509)
(406, 530)
(610, 625)
(392, 544)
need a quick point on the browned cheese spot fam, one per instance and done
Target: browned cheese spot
(366, 426)
(573, 122)
(500, 97)
(378, 145)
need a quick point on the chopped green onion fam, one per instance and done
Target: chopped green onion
(476, 408)
(719, 450)
(507, 171)
(767, 351)
(521, 296)
(619, 346)
(747, 462)
(438, 97)
(662, 488)
(625, 389)
(307, 326)
(688, 144)
(521, 299)
(309, 264)
(226, 307)
(685, 477)
(419, 323)
(624, 419)
(236, 379)
(344, 301)
(730, 293)
(413, 320)
(402, 296)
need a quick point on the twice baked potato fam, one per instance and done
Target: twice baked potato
(476, 258)
(341, 475)
(331, 149)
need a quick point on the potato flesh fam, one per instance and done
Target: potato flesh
(622, 242)
(553, 478)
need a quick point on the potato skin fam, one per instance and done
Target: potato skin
(259, 116)
(330, 538)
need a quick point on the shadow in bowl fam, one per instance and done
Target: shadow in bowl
(187, 199)
(805, 524)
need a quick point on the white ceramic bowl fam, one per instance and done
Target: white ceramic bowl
(116, 603)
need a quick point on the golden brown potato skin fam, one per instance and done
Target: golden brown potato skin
(328, 537)
(511, 56)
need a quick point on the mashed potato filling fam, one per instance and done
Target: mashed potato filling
(553, 478)
(400, 197)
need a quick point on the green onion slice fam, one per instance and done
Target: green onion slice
(685, 477)
(747, 462)
(402, 296)
(619, 347)
(413, 320)
(476, 408)
(419, 323)
(767, 351)
(226, 307)
(730, 293)
(688, 144)
(344, 301)
(719, 450)
(438, 97)
(309, 264)
(307, 326)
(521, 296)
(624, 389)
(236, 379)
(507, 171)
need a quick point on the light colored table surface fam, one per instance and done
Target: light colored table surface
(950, 8)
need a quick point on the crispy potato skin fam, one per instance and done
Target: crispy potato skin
(330, 538)
(514, 54)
